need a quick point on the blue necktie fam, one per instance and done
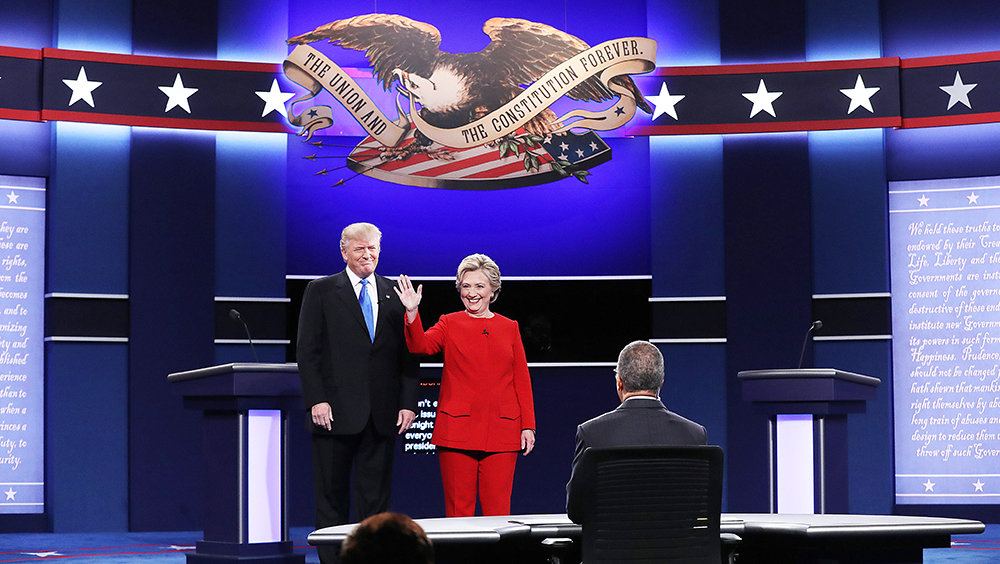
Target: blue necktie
(366, 308)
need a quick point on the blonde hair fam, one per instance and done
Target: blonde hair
(359, 232)
(483, 264)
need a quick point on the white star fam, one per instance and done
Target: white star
(10, 493)
(579, 152)
(664, 102)
(563, 157)
(593, 146)
(274, 99)
(547, 140)
(83, 89)
(923, 200)
(43, 554)
(959, 92)
(929, 485)
(177, 95)
(12, 197)
(973, 198)
(762, 100)
(564, 146)
(860, 96)
(979, 485)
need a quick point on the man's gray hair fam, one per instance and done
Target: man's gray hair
(640, 367)
(359, 232)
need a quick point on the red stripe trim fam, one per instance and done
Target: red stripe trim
(965, 119)
(884, 62)
(457, 165)
(20, 53)
(140, 121)
(946, 60)
(507, 169)
(23, 115)
(148, 61)
(764, 127)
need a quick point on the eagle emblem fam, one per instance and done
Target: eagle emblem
(498, 98)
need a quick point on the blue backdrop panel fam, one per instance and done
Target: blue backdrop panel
(26, 147)
(847, 171)
(88, 206)
(686, 33)
(95, 25)
(26, 23)
(175, 29)
(88, 439)
(565, 227)
(927, 28)
(686, 190)
(761, 31)
(848, 29)
(869, 437)
(171, 290)
(250, 214)
(768, 288)
(943, 152)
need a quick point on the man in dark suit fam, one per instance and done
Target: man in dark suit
(359, 382)
(640, 420)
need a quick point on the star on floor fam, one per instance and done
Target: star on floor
(274, 99)
(929, 485)
(12, 197)
(959, 92)
(181, 547)
(664, 102)
(10, 493)
(83, 89)
(979, 485)
(860, 96)
(973, 198)
(43, 554)
(762, 100)
(177, 95)
(923, 200)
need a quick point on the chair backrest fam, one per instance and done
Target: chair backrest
(652, 504)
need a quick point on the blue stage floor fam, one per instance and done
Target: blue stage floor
(169, 548)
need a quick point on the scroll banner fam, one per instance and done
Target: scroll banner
(314, 71)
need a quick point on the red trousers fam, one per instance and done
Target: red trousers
(463, 472)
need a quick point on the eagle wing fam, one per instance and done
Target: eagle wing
(389, 42)
(527, 50)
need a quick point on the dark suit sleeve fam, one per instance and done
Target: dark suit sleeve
(410, 386)
(575, 487)
(309, 346)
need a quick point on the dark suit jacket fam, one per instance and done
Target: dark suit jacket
(638, 421)
(339, 363)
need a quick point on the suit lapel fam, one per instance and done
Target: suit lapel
(384, 295)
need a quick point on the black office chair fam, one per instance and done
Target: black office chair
(653, 504)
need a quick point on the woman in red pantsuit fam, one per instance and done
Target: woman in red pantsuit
(485, 410)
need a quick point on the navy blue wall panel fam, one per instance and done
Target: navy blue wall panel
(88, 209)
(761, 31)
(250, 215)
(850, 211)
(175, 28)
(87, 437)
(26, 23)
(25, 148)
(768, 288)
(171, 290)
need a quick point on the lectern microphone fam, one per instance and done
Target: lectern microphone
(815, 325)
(236, 315)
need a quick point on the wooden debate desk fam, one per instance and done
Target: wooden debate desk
(771, 538)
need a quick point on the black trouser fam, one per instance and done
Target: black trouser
(333, 455)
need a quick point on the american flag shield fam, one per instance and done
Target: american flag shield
(480, 167)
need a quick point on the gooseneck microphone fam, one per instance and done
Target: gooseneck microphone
(815, 325)
(236, 315)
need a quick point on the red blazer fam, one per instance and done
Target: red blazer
(485, 399)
